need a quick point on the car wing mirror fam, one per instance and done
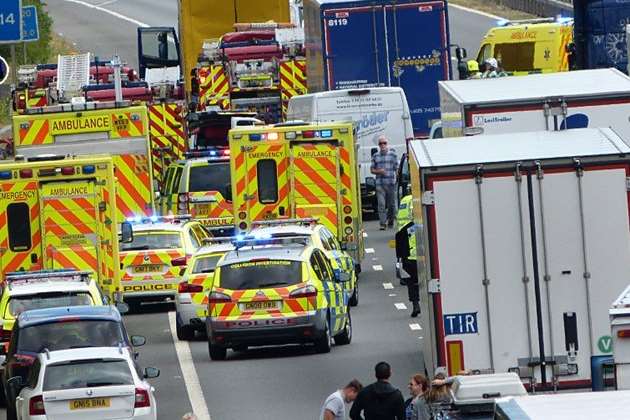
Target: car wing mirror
(126, 232)
(138, 340)
(122, 307)
(151, 372)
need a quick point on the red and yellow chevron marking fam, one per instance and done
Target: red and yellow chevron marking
(133, 195)
(290, 306)
(214, 87)
(37, 98)
(258, 210)
(216, 207)
(33, 132)
(166, 131)
(292, 81)
(131, 259)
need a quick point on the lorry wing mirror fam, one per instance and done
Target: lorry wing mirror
(373, 151)
(460, 53)
(126, 232)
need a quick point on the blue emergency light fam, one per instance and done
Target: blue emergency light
(5, 175)
(256, 137)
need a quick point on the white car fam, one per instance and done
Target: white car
(86, 383)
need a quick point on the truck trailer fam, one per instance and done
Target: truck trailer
(555, 101)
(523, 243)
(364, 44)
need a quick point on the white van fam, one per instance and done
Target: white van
(374, 111)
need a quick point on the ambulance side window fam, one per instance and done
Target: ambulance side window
(267, 181)
(168, 179)
(18, 216)
(177, 177)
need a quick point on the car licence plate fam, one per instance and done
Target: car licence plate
(147, 268)
(90, 403)
(260, 306)
(202, 209)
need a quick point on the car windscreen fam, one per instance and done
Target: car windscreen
(205, 264)
(212, 177)
(70, 334)
(21, 303)
(87, 374)
(143, 241)
(260, 274)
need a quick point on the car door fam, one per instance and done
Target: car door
(334, 293)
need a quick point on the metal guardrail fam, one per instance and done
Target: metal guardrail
(544, 8)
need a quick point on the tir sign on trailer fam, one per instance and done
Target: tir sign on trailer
(525, 243)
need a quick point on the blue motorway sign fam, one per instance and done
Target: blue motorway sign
(30, 27)
(10, 21)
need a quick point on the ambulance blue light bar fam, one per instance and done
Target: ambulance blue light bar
(159, 219)
(211, 153)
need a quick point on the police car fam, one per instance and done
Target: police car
(191, 306)
(276, 291)
(23, 291)
(322, 238)
(152, 263)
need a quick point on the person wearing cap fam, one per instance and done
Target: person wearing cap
(491, 68)
(473, 69)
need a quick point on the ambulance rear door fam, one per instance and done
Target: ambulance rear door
(70, 228)
(315, 173)
(20, 237)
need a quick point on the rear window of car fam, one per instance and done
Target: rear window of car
(87, 374)
(206, 264)
(260, 274)
(143, 241)
(19, 304)
(70, 334)
(213, 177)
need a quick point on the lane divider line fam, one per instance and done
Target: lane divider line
(388, 286)
(369, 250)
(392, 294)
(477, 12)
(191, 379)
(377, 267)
(110, 12)
(400, 306)
(415, 327)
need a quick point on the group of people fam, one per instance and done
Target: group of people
(382, 401)
(490, 68)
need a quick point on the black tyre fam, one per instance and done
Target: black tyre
(323, 344)
(217, 352)
(345, 336)
(185, 332)
(354, 299)
(11, 413)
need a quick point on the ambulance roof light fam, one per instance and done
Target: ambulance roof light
(256, 137)
(159, 219)
(325, 133)
(5, 175)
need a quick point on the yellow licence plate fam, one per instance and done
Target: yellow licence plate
(202, 209)
(147, 268)
(90, 403)
(260, 306)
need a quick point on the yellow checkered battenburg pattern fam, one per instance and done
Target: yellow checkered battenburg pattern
(292, 81)
(214, 87)
(168, 139)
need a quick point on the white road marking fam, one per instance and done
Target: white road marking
(400, 306)
(420, 338)
(415, 327)
(477, 12)
(374, 259)
(365, 234)
(387, 286)
(110, 12)
(392, 294)
(377, 267)
(369, 250)
(105, 3)
(193, 387)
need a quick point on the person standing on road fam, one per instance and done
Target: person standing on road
(380, 400)
(385, 167)
(334, 407)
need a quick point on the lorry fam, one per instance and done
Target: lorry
(555, 101)
(365, 44)
(375, 112)
(59, 212)
(618, 342)
(523, 242)
(298, 171)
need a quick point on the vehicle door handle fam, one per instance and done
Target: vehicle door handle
(34, 258)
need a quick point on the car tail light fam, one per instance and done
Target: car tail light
(179, 261)
(302, 292)
(36, 406)
(218, 297)
(185, 287)
(142, 398)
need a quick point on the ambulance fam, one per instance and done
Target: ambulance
(116, 128)
(59, 213)
(289, 171)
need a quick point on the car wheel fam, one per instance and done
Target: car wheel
(11, 413)
(185, 332)
(354, 299)
(345, 337)
(323, 344)
(217, 352)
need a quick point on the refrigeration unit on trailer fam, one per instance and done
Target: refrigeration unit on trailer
(358, 44)
(553, 101)
(524, 245)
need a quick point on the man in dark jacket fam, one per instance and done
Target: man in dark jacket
(380, 400)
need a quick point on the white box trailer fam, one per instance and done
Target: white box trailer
(552, 101)
(525, 243)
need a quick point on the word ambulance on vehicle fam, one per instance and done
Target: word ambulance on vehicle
(522, 246)
(292, 171)
(60, 213)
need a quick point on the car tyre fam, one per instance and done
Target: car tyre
(185, 332)
(345, 337)
(354, 299)
(217, 352)
(323, 344)
(11, 412)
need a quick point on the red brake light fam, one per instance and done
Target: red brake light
(26, 173)
(142, 398)
(218, 297)
(623, 333)
(36, 406)
(68, 170)
(185, 287)
(179, 261)
(308, 134)
(302, 292)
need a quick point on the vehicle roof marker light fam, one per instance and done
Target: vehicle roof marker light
(325, 133)
(502, 22)
(88, 169)
(5, 175)
(256, 136)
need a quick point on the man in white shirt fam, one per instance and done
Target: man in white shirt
(334, 407)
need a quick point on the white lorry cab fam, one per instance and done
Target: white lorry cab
(374, 112)
(523, 243)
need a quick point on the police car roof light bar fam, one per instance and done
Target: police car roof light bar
(277, 222)
(52, 275)
(251, 241)
(506, 22)
(160, 219)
